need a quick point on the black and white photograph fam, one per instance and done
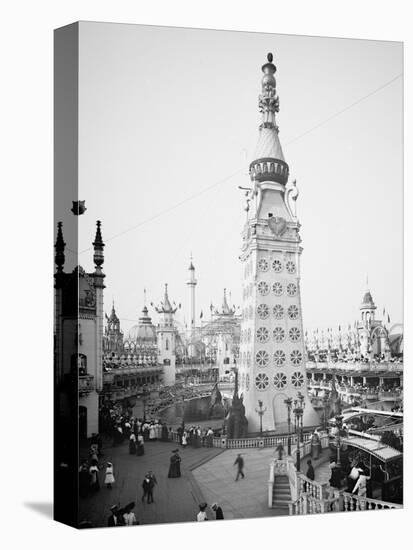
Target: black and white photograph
(228, 254)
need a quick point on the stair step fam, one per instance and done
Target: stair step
(283, 498)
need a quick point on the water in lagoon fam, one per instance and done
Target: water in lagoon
(193, 411)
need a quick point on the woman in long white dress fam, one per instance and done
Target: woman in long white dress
(184, 441)
(109, 477)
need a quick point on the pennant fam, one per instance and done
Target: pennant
(202, 314)
(388, 318)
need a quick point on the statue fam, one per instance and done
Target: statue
(216, 407)
(334, 401)
(236, 422)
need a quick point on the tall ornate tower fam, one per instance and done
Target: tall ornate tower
(191, 283)
(167, 339)
(272, 347)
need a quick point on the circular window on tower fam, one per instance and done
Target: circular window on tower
(263, 335)
(261, 381)
(277, 266)
(279, 357)
(279, 334)
(291, 289)
(263, 311)
(297, 379)
(290, 266)
(277, 288)
(263, 265)
(280, 380)
(262, 358)
(294, 334)
(296, 357)
(293, 312)
(247, 382)
(263, 288)
(278, 311)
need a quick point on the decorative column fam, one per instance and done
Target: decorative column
(99, 276)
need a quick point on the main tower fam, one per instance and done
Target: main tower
(272, 349)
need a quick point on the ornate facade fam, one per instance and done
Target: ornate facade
(79, 332)
(368, 339)
(272, 350)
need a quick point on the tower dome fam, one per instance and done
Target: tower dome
(144, 332)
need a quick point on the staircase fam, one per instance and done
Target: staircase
(281, 494)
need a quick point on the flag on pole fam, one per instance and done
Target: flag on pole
(202, 314)
(388, 318)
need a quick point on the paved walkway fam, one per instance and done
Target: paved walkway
(246, 498)
(176, 500)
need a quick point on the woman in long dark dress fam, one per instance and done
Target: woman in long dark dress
(164, 432)
(132, 444)
(175, 465)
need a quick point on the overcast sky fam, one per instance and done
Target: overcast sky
(167, 113)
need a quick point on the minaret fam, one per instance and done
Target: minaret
(191, 283)
(272, 349)
(99, 277)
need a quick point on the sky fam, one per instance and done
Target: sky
(168, 123)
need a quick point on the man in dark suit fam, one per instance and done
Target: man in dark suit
(218, 511)
(116, 518)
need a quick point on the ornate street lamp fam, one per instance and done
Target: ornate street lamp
(260, 412)
(289, 403)
(339, 426)
(298, 412)
(145, 397)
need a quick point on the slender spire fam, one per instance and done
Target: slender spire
(268, 101)
(98, 246)
(269, 163)
(60, 249)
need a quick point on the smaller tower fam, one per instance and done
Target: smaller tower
(166, 334)
(191, 283)
(113, 340)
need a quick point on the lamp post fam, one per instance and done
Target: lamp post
(298, 412)
(260, 412)
(301, 399)
(145, 395)
(339, 426)
(289, 402)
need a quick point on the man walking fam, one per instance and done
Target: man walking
(239, 461)
(147, 486)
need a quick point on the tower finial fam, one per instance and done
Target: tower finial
(269, 57)
(59, 248)
(98, 246)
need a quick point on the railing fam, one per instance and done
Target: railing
(86, 384)
(306, 504)
(350, 503)
(390, 395)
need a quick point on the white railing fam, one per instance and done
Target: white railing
(352, 503)
(307, 504)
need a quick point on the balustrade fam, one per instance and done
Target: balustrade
(351, 503)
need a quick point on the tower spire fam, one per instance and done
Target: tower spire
(98, 246)
(269, 163)
(59, 249)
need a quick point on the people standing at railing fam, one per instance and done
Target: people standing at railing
(361, 485)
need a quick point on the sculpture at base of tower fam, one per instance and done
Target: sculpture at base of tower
(216, 407)
(334, 407)
(236, 423)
